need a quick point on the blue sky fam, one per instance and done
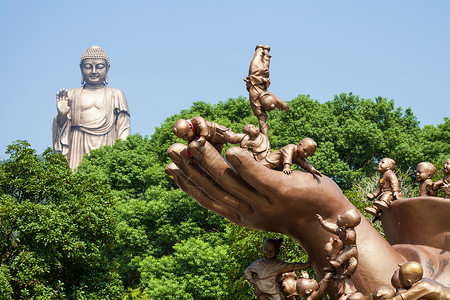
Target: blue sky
(167, 54)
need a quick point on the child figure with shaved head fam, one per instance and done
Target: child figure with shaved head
(424, 174)
(203, 130)
(416, 287)
(387, 190)
(286, 156)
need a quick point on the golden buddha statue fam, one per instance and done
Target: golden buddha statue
(90, 116)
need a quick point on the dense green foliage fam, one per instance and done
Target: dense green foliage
(121, 217)
(56, 230)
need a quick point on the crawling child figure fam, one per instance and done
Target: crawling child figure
(424, 174)
(388, 188)
(265, 273)
(416, 287)
(258, 82)
(199, 128)
(444, 183)
(290, 154)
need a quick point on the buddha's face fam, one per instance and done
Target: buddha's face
(94, 70)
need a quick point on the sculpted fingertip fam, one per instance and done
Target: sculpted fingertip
(170, 171)
(194, 148)
(232, 158)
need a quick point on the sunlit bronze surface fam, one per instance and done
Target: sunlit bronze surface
(421, 221)
(90, 116)
(251, 195)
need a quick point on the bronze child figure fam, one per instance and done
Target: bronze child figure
(416, 287)
(344, 228)
(387, 190)
(202, 130)
(261, 100)
(424, 174)
(290, 154)
(310, 289)
(265, 273)
(444, 183)
(255, 141)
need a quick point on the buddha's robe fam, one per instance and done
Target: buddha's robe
(74, 139)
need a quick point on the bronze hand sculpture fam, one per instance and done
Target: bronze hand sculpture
(251, 195)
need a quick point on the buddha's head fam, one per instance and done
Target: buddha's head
(94, 65)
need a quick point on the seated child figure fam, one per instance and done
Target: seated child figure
(388, 187)
(310, 289)
(344, 228)
(410, 275)
(265, 273)
(199, 128)
(290, 154)
(258, 82)
(424, 174)
(255, 141)
(444, 183)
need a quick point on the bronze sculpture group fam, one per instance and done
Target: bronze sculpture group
(247, 187)
(255, 187)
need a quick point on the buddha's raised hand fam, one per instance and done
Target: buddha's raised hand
(62, 102)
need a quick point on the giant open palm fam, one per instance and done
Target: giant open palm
(251, 195)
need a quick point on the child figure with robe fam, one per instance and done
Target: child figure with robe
(265, 273)
(261, 100)
(387, 190)
(255, 141)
